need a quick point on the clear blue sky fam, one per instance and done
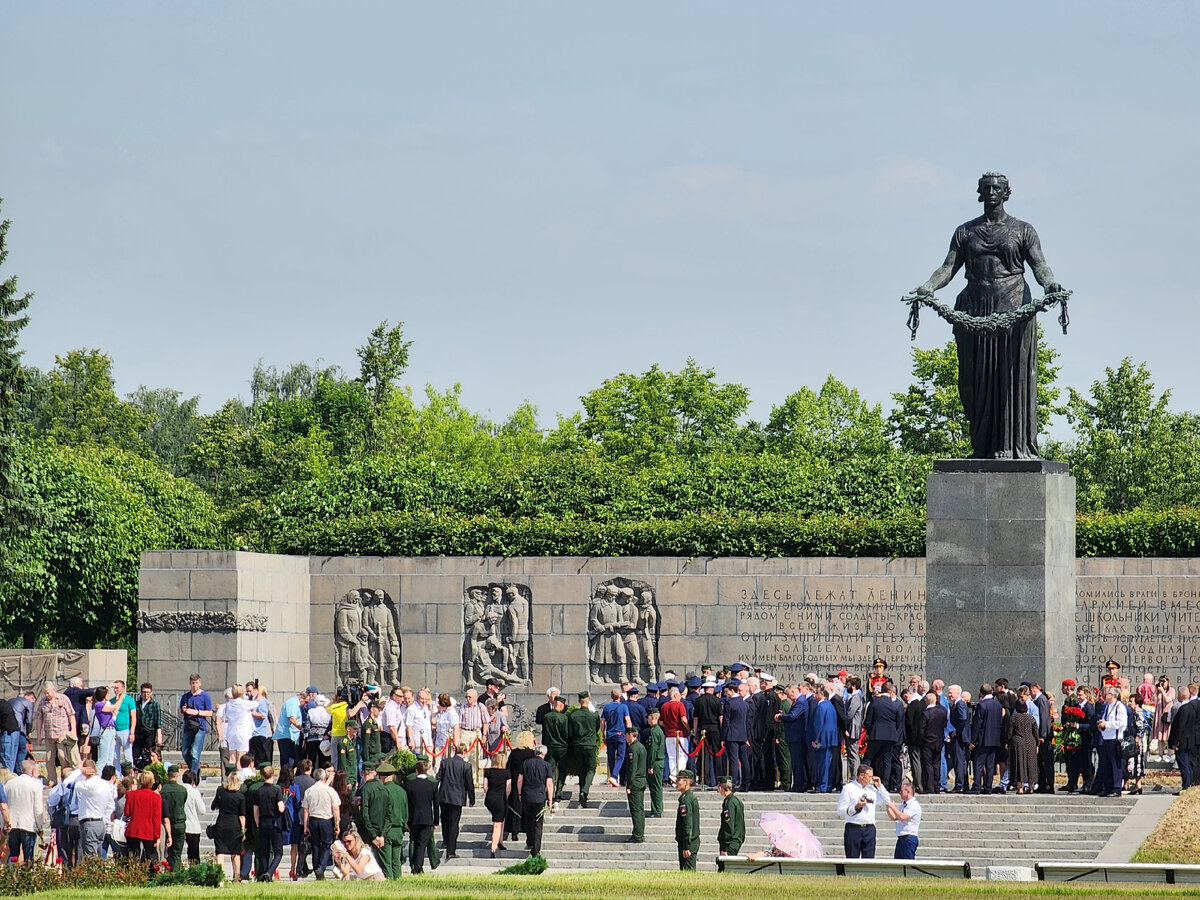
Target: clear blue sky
(549, 194)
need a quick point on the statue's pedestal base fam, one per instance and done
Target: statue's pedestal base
(1000, 570)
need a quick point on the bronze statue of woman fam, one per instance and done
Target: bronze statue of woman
(997, 372)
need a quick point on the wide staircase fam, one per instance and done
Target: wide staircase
(993, 830)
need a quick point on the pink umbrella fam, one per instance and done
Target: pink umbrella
(790, 836)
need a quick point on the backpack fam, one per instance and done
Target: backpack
(60, 815)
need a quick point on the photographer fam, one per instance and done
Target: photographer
(857, 809)
(1164, 702)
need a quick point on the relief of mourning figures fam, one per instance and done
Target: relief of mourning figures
(623, 630)
(367, 638)
(497, 643)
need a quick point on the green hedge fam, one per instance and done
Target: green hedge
(1174, 532)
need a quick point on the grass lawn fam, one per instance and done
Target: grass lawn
(638, 885)
(1176, 838)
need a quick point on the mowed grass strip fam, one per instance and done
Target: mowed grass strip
(1176, 837)
(647, 885)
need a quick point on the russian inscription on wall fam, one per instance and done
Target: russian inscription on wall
(794, 626)
(498, 643)
(623, 628)
(366, 637)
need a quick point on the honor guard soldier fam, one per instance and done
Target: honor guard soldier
(391, 855)
(584, 735)
(731, 833)
(635, 784)
(556, 735)
(656, 762)
(687, 821)
(878, 677)
(346, 753)
(372, 743)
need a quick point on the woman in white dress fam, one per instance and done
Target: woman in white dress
(239, 723)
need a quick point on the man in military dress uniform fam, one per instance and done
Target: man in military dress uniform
(687, 821)
(373, 810)
(345, 756)
(556, 735)
(656, 758)
(372, 743)
(731, 833)
(635, 784)
(583, 735)
(391, 855)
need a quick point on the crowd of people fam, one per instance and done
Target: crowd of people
(336, 800)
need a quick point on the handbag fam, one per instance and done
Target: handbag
(211, 831)
(1129, 748)
(118, 830)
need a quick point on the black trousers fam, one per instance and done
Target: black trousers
(859, 841)
(1079, 768)
(419, 846)
(985, 768)
(321, 833)
(737, 762)
(268, 849)
(957, 761)
(262, 749)
(533, 815)
(451, 814)
(931, 762)
(882, 757)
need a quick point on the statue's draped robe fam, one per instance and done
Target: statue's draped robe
(997, 373)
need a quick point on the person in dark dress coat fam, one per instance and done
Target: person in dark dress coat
(933, 739)
(456, 789)
(737, 736)
(987, 735)
(914, 731)
(960, 738)
(795, 733)
(423, 814)
(885, 731)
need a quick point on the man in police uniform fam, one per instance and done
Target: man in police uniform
(391, 854)
(346, 753)
(635, 784)
(731, 833)
(584, 735)
(687, 821)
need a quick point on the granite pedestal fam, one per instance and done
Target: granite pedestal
(1000, 571)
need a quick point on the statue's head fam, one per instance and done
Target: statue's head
(988, 179)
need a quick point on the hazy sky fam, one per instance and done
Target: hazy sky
(550, 194)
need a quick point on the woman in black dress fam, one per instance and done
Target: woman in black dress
(497, 780)
(228, 830)
(516, 759)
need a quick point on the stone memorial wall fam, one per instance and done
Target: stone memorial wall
(575, 622)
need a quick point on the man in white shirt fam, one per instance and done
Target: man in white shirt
(1113, 720)
(419, 723)
(392, 723)
(26, 810)
(856, 806)
(907, 817)
(95, 800)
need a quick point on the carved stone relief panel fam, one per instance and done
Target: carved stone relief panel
(366, 637)
(623, 629)
(497, 642)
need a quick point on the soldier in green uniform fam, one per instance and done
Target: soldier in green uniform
(372, 749)
(174, 799)
(584, 737)
(731, 833)
(556, 735)
(345, 754)
(391, 856)
(656, 757)
(635, 786)
(372, 809)
(783, 755)
(687, 821)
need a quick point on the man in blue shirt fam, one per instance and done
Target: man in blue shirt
(196, 709)
(287, 732)
(615, 716)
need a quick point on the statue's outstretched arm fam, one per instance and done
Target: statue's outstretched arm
(942, 275)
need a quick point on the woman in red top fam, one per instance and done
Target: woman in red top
(143, 811)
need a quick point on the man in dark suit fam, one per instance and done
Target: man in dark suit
(885, 731)
(737, 736)
(545, 707)
(933, 739)
(987, 736)
(1184, 738)
(960, 737)
(456, 788)
(914, 737)
(836, 688)
(1046, 737)
(706, 714)
(795, 733)
(422, 814)
(768, 709)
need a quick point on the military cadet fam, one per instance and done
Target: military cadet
(731, 833)
(656, 759)
(556, 736)
(687, 821)
(635, 784)
(391, 856)
(372, 744)
(373, 809)
(345, 756)
(584, 737)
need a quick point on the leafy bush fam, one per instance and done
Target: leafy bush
(205, 874)
(534, 865)
(1141, 532)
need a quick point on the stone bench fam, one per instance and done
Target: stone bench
(889, 868)
(1147, 873)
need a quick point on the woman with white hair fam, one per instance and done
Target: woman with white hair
(239, 722)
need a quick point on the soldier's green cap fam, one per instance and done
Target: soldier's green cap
(583, 695)
(424, 756)
(368, 767)
(725, 780)
(385, 768)
(351, 723)
(631, 731)
(686, 773)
